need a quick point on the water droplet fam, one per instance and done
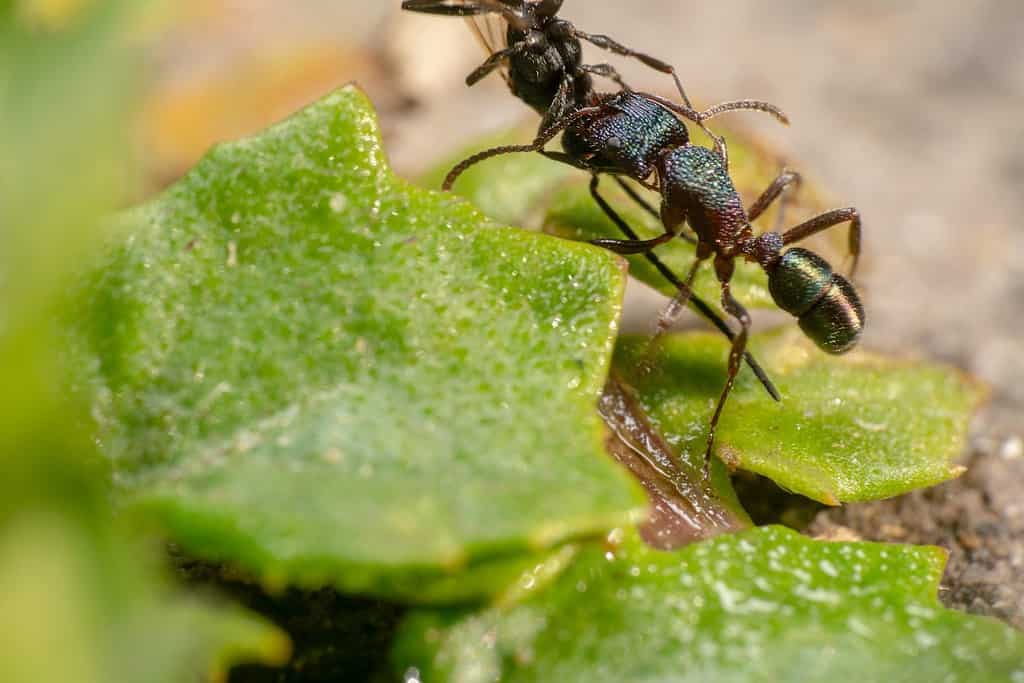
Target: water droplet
(339, 202)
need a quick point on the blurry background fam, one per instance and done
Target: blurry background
(911, 110)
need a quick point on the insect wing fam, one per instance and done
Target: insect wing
(491, 31)
(459, 8)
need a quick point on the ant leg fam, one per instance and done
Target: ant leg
(492, 63)
(739, 347)
(695, 301)
(826, 221)
(635, 196)
(677, 304)
(606, 43)
(467, 8)
(536, 146)
(633, 245)
(783, 182)
(628, 247)
(560, 105)
(605, 71)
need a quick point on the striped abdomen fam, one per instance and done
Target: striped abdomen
(825, 303)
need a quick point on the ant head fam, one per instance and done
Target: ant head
(825, 304)
(546, 9)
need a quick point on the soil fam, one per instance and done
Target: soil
(978, 519)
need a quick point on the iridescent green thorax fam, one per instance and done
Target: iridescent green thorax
(629, 136)
(696, 177)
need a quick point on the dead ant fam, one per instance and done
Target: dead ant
(638, 136)
(540, 58)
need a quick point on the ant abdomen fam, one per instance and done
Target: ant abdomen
(825, 304)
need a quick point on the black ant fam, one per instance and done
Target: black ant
(542, 53)
(638, 136)
(541, 61)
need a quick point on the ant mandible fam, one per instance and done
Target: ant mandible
(638, 135)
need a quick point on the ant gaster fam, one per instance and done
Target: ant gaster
(638, 136)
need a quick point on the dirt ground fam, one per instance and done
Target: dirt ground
(910, 110)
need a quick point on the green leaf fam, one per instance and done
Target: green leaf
(860, 427)
(765, 605)
(306, 367)
(78, 602)
(78, 608)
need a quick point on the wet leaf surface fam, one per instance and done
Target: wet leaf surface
(764, 605)
(853, 428)
(684, 508)
(310, 369)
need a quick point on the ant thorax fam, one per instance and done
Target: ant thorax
(695, 179)
(628, 135)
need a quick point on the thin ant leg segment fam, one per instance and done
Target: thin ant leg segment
(606, 43)
(695, 301)
(561, 104)
(605, 71)
(736, 353)
(635, 196)
(826, 221)
(467, 8)
(493, 62)
(677, 304)
(787, 180)
(628, 247)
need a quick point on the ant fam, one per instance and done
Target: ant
(541, 61)
(638, 136)
(542, 53)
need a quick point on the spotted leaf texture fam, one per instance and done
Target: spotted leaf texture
(311, 370)
(764, 605)
(854, 428)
